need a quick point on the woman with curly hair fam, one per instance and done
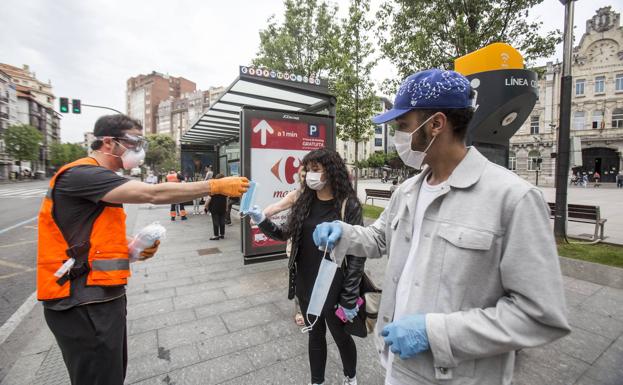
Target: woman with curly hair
(327, 197)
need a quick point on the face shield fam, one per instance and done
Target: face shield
(134, 143)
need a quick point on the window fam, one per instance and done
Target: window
(578, 120)
(600, 82)
(378, 142)
(533, 157)
(618, 82)
(598, 118)
(534, 125)
(617, 118)
(378, 130)
(579, 87)
(512, 161)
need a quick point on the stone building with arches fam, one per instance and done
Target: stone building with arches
(596, 111)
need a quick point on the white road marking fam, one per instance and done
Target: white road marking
(17, 317)
(18, 225)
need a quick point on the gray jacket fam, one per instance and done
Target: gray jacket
(488, 276)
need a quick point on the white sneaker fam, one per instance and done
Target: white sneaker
(349, 381)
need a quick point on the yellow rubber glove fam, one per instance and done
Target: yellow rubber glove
(149, 252)
(233, 186)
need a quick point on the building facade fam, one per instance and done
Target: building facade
(31, 102)
(596, 110)
(8, 117)
(176, 115)
(145, 92)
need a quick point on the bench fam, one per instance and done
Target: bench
(584, 214)
(378, 194)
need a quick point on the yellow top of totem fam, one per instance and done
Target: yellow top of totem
(496, 56)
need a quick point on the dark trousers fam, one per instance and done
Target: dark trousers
(93, 341)
(218, 224)
(175, 209)
(317, 346)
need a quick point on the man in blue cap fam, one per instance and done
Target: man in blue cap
(473, 271)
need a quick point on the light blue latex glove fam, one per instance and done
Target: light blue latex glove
(407, 336)
(327, 234)
(350, 313)
(256, 214)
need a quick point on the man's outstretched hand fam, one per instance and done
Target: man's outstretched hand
(233, 186)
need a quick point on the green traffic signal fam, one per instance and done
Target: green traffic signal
(76, 107)
(64, 105)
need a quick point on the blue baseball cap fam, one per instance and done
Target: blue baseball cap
(429, 89)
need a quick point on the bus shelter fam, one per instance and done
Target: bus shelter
(261, 127)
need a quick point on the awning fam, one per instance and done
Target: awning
(258, 88)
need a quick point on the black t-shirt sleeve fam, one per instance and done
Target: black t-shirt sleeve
(88, 182)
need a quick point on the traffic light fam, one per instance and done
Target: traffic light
(64, 105)
(76, 108)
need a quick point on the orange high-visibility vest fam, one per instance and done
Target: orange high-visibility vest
(107, 247)
(172, 178)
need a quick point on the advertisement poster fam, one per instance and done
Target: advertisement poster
(274, 144)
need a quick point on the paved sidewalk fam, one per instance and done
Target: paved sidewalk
(196, 315)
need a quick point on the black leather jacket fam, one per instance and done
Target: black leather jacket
(354, 265)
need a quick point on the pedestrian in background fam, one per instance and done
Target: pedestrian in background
(175, 177)
(217, 205)
(473, 272)
(619, 179)
(328, 195)
(82, 220)
(596, 178)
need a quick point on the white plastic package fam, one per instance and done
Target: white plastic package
(145, 238)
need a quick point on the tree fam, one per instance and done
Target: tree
(63, 153)
(162, 152)
(421, 34)
(22, 143)
(304, 43)
(356, 100)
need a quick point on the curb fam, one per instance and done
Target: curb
(593, 272)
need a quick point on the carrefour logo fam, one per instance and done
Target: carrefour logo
(286, 169)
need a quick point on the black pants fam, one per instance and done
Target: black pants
(218, 224)
(317, 346)
(93, 341)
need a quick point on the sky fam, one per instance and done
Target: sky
(88, 49)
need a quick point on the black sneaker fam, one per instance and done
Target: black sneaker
(184, 218)
(172, 219)
(222, 237)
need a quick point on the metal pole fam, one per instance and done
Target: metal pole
(105, 108)
(564, 129)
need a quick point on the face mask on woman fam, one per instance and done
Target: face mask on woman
(314, 181)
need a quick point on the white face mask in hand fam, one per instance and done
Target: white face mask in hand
(313, 180)
(322, 285)
(411, 158)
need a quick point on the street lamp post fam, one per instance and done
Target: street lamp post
(564, 129)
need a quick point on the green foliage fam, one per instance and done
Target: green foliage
(304, 43)
(63, 153)
(377, 159)
(22, 142)
(162, 153)
(356, 100)
(420, 34)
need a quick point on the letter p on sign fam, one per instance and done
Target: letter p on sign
(313, 130)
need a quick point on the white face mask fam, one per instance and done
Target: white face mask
(321, 289)
(410, 157)
(131, 158)
(313, 180)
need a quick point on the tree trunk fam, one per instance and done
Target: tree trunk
(356, 167)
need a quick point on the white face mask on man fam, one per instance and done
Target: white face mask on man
(410, 157)
(314, 181)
